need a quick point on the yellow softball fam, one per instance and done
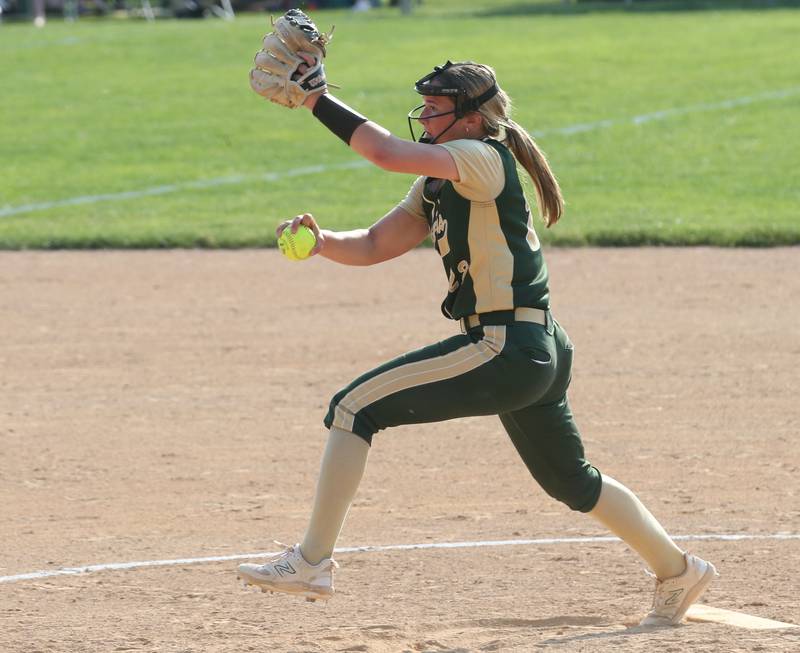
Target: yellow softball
(297, 247)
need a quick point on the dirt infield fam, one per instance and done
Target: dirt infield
(166, 405)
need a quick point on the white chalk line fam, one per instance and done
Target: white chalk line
(200, 184)
(118, 566)
(569, 130)
(670, 113)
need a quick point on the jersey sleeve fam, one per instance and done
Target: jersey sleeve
(412, 202)
(480, 169)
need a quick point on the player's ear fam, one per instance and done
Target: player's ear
(473, 120)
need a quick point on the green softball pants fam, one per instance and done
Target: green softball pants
(520, 372)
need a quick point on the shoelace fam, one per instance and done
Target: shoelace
(655, 593)
(288, 548)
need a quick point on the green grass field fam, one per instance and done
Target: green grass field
(153, 127)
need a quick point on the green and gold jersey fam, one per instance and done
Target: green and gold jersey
(482, 227)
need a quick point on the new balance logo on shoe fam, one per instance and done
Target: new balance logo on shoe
(283, 568)
(674, 597)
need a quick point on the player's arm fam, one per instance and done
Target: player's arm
(393, 235)
(389, 152)
(378, 145)
(288, 70)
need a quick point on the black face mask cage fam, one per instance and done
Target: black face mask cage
(463, 103)
(414, 115)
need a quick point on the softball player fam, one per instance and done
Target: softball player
(511, 359)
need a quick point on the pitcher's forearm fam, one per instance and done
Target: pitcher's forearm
(354, 247)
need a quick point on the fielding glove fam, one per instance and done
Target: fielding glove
(275, 75)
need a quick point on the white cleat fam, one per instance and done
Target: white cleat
(288, 572)
(674, 596)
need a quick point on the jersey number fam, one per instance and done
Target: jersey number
(463, 268)
(439, 229)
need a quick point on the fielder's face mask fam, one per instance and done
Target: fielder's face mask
(429, 85)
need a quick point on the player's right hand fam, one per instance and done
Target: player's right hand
(308, 220)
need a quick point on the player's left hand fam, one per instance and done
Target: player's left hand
(289, 68)
(308, 220)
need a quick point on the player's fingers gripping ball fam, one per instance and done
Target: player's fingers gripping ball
(298, 246)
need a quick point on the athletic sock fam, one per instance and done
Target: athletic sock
(619, 510)
(343, 465)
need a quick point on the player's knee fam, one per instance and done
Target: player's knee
(579, 491)
(340, 416)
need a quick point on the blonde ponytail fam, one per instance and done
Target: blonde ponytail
(530, 157)
(495, 113)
